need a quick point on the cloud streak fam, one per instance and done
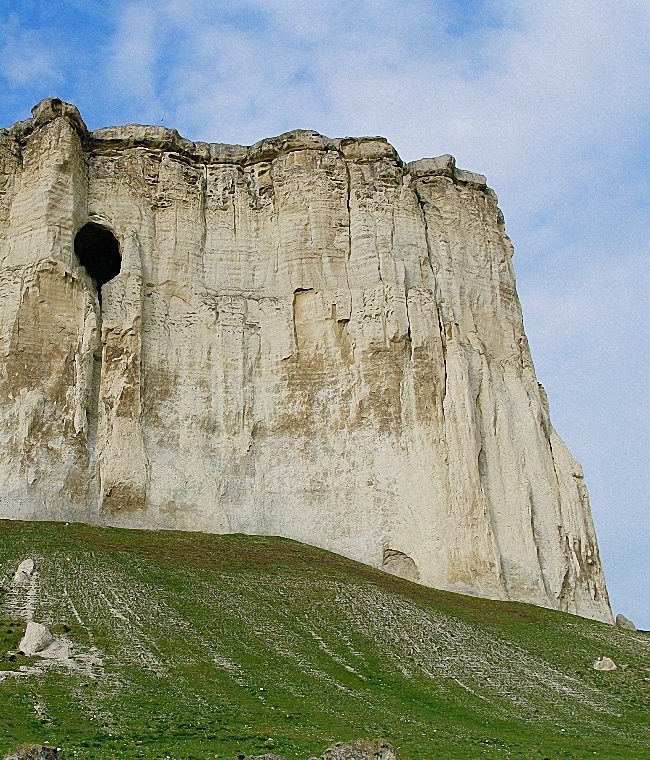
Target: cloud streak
(26, 56)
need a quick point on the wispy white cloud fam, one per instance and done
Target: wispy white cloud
(26, 55)
(553, 78)
(133, 57)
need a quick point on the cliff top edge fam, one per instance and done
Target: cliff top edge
(356, 149)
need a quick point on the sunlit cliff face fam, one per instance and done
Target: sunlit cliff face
(305, 338)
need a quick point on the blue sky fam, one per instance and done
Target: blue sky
(551, 100)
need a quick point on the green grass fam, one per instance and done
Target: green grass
(214, 646)
(11, 631)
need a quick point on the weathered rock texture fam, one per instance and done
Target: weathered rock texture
(33, 752)
(605, 664)
(307, 337)
(37, 637)
(623, 622)
(362, 749)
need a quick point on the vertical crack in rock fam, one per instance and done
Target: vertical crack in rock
(93, 406)
(430, 258)
(348, 194)
(122, 456)
(538, 548)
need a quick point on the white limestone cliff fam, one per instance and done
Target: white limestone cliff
(306, 338)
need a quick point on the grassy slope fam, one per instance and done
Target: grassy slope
(212, 645)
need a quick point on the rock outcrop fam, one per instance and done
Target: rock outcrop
(24, 572)
(306, 337)
(623, 622)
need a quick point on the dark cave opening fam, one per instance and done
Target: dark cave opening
(99, 252)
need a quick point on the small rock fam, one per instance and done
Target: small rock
(362, 749)
(33, 752)
(623, 622)
(604, 663)
(36, 638)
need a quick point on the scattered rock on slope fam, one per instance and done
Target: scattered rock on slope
(604, 663)
(37, 637)
(33, 752)
(362, 749)
(24, 572)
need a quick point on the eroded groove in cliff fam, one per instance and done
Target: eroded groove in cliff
(349, 206)
(93, 401)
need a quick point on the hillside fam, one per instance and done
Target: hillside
(187, 645)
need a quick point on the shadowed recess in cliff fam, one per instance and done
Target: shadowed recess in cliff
(99, 252)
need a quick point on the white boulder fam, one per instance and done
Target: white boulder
(37, 637)
(604, 663)
(24, 571)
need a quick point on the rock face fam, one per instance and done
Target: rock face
(623, 622)
(305, 337)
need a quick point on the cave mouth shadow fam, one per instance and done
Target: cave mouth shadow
(99, 252)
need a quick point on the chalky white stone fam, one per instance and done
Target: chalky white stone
(24, 572)
(306, 338)
(37, 637)
(606, 664)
